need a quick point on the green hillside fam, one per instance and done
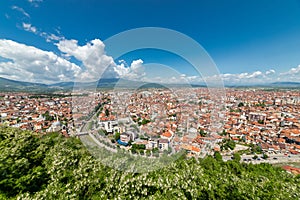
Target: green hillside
(53, 167)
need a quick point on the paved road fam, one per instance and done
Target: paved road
(101, 144)
(273, 158)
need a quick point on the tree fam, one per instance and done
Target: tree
(145, 121)
(106, 112)
(202, 133)
(228, 144)
(47, 116)
(241, 104)
(231, 144)
(224, 133)
(236, 157)
(117, 136)
(54, 167)
(260, 121)
(265, 156)
(218, 156)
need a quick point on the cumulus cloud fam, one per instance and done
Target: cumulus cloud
(257, 77)
(29, 28)
(92, 56)
(292, 74)
(135, 71)
(96, 62)
(271, 71)
(29, 63)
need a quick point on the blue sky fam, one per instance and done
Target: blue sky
(250, 41)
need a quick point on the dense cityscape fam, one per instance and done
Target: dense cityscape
(260, 125)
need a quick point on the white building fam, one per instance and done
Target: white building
(110, 126)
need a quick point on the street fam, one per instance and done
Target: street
(272, 158)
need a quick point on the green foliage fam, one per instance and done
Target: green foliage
(106, 112)
(255, 149)
(236, 157)
(53, 167)
(260, 121)
(218, 156)
(241, 104)
(260, 105)
(48, 117)
(224, 133)
(227, 144)
(117, 136)
(138, 146)
(143, 121)
(202, 133)
(265, 156)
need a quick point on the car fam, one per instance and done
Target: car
(275, 158)
(244, 159)
(258, 158)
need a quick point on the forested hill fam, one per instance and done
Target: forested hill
(53, 167)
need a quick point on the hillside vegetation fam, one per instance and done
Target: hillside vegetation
(54, 167)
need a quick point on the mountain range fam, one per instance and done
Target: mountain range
(7, 85)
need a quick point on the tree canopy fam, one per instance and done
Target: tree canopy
(53, 167)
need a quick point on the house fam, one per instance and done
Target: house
(193, 150)
(152, 144)
(163, 144)
(254, 116)
(55, 127)
(167, 135)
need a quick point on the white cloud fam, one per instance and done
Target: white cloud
(29, 28)
(35, 3)
(135, 71)
(292, 71)
(271, 71)
(52, 37)
(256, 77)
(92, 56)
(32, 64)
(292, 75)
(94, 59)
(29, 63)
(21, 10)
(7, 16)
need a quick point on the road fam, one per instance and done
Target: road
(101, 145)
(273, 158)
